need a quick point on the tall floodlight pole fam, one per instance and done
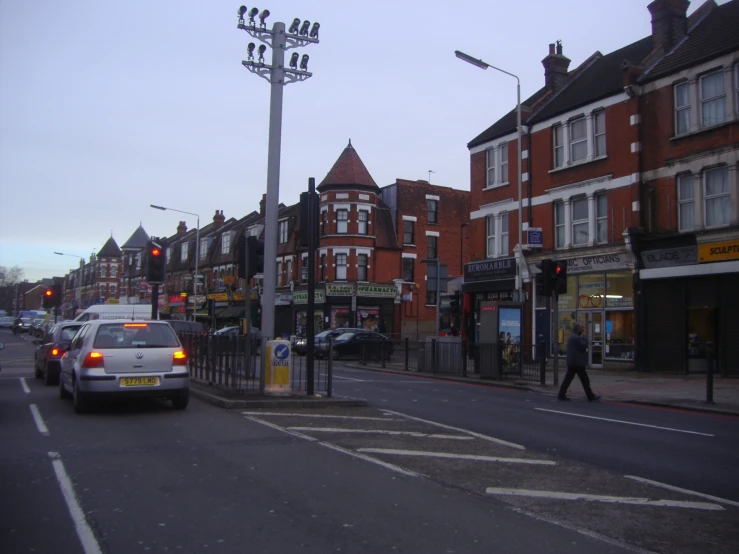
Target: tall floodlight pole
(484, 65)
(298, 35)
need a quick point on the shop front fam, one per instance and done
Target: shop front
(300, 305)
(690, 305)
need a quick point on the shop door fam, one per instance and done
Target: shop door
(592, 322)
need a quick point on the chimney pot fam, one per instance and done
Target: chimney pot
(669, 22)
(555, 67)
(551, 49)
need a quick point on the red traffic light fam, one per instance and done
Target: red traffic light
(48, 292)
(155, 252)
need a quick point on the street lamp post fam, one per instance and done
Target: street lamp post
(461, 248)
(77, 289)
(483, 65)
(278, 76)
(197, 254)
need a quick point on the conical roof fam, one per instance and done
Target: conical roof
(110, 249)
(348, 171)
(137, 241)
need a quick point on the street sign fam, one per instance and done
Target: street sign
(188, 276)
(535, 237)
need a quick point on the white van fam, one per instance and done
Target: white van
(115, 311)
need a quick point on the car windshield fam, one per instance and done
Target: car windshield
(25, 320)
(135, 335)
(67, 333)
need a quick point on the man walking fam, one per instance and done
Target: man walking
(577, 359)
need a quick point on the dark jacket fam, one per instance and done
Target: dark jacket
(577, 350)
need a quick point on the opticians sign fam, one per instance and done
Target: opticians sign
(601, 262)
(718, 251)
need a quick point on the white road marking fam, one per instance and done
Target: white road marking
(84, 532)
(319, 416)
(602, 498)
(472, 433)
(338, 448)
(626, 422)
(348, 378)
(376, 432)
(455, 456)
(25, 385)
(678, 489)
(40, 425)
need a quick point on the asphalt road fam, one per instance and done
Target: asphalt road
(695, 451)
(141, 477)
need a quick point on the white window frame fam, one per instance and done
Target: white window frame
(707, 198)
(435, 240)
(601, 218)
(491, 153)
(282, 231)
(289, 270)
(225, 243)
(363, 224)
(599, 151)
(279, 273)
(504, 235)
(435, 211)
(114, 270)
(560, 224)
(362, 267)
(577, 223)
(704, 101)
(111, 290)
(684, 108)
(413, 231)
(342, 225)
(558, 134)
(490, 236)
(504, 178)
(183, 251)
(203, 248)
(573, 142)
(337, 257)
(412, 263)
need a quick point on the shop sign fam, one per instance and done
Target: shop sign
(377, 291)
(339, 289)
(219, 296)
(283, 298)
(491, 270)
(669, 257)
(301, 297)
(718, 251)
(600, 262)
(499, 296)
(535, 237)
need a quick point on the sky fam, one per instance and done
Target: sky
(106, 108)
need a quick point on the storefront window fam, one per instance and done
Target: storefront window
(368, 318)
(701, 331)
(591, 292)
(620, 335)
(340, 318)
(567, 320)
(619, 290)
(567, 301)
(301, 322)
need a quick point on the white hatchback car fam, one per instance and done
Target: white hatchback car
(124, 358)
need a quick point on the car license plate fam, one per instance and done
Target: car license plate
(139, 381)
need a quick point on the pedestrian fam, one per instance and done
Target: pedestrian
(577, 359)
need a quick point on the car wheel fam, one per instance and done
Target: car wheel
(180, 401)
(51, 375)
(37, 372)
(63, 393)
(80, 401)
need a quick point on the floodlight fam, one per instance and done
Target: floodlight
(242, 11)
(314, 30)
(295, 27)
(262, 16)
(304, 62)
(304, 28)
(294, 60)
(262, 50)
(252, 14)
(250, 50)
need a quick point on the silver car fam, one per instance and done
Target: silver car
(124, 358)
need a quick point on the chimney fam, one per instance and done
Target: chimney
(263, 205)
(669, 22)
(181, 229)
(219, 219)
(555, 67)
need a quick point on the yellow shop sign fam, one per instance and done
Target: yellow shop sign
(718, 251)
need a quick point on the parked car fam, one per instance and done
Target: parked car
(300, 346)
(50, 350)
(360, 344)
(180, 326)
(234, 331)
(6, 322)
(21, 325)
(124, 358)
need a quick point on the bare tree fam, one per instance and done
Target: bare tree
(10, 276)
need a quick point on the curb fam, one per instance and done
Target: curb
(684, 407)
(276, 402)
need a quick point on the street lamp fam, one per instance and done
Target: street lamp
(197, 253)
(484, 65)
(278, 76)
(78, 288)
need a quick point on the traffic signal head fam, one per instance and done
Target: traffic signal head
(251, 256)
(155, 262)
(455, 301)
(47, 299)
(545, 283)
(560, 279)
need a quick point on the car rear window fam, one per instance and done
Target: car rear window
(68, 332)
(135, 335)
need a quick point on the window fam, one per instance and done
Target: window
(685, 202)
(430, 297)
(408, 265)
(491, 166)
(169, 257)
(183, 252)
(713, 98)
(282, 232)
(490, 225)
(599, 132)
(112, 290)
(225, 243)
(362, 267)
(601, 218)
(342, 221)
(289, 271)
(559, 225)
(341, 267)
(323, 267)
(362, 222)
(716, 195)
(113, 270)
(324, 222)
(102, 291)
(279, 274)
(503, 235)
(578, 140)
(432, 206)
(504, 162)
(432, 247)
(302, 265)
(408, 232)
(580, 221)
(682, 108)
(559, 148)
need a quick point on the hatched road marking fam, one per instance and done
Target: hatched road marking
(364, 418)
(376, 432)
(40, 425)
(601, 498)
(625, 422)
(25, 385)
(455, 456)
(678, 489)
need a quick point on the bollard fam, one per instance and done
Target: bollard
(709, 373)
(407, 343)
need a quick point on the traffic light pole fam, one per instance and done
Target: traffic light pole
(311, 323)
(155, 301)
(555, 371)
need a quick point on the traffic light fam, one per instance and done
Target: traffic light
(255, 255)
(560, 277)
(156, 262)
(455, 302)
(48, 299)
(545, 283)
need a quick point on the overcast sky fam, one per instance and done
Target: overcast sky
(106, 107)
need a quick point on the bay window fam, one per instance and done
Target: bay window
(362, 223)
(341, 267)
(362, 267)
(342, 221)
(578, 140)
(559, 225)
(580, 221)
(713, 98)
(601, 217)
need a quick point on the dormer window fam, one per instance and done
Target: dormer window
(183, 252)
(225, 243)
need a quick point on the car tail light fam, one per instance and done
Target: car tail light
(135, 324)
(179, 358)
(55, 351)
(93, 359)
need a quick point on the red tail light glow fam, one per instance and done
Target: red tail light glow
(55, 351)
(135, 324)
(179, 358)
(92, 360)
